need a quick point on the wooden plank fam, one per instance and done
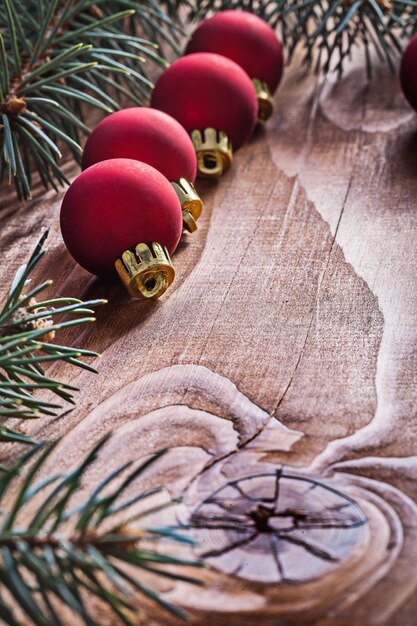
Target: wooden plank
(286, 343)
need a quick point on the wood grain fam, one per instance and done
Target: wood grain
(286, 344)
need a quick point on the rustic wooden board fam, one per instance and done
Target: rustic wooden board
(286, 344)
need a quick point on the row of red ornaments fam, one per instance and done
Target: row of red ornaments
(135, 196)
(128, 208)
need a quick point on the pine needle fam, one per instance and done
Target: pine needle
(26, 327)
(56, 55)
(68, 550)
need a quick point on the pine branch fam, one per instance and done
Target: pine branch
(56, 58)
(327, 30)
(60, 554)
(27, 328)
(330, 30)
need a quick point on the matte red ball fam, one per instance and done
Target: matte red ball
(146, 135)
(246, 39)
(206, 90)
(114, 205)
(408, 72)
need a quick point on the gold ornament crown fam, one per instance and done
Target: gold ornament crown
(147, 271)
(214, 152)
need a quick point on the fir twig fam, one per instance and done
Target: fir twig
(331, 29)
(27, 328)
(60, 554)
(56, 57)
(327, 30)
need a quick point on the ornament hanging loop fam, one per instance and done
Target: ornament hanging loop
(147, 271)
(214, 152)
(265, 101)
(189, 223)
(191, 204)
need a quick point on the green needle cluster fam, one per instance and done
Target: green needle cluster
(59, 58)
(330, 29)
(61, 553)
(326, 30)
(27, 328)
(55, 553)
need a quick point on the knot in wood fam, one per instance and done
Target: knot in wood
(261, 516)
(277, 527)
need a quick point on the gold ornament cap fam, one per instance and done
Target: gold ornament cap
(147, 271)
(214, 152)
(265, 100)
(191, 203)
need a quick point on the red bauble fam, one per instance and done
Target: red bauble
(146, 135)
(155, 138)
(408, 73)
(208, 91)
(114, 205)
(246, 39)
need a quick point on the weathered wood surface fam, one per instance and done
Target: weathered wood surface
(286, 347)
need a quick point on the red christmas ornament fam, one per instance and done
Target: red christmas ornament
(155, 138)
(251, 43)
(408, 72)
(214, 99)
(123, 213)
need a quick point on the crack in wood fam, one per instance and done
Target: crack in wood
(258, 516)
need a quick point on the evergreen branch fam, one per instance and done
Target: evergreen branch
(57, 55)
(59, 554)
(327, 30)
(26, 328)
(334, 28)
